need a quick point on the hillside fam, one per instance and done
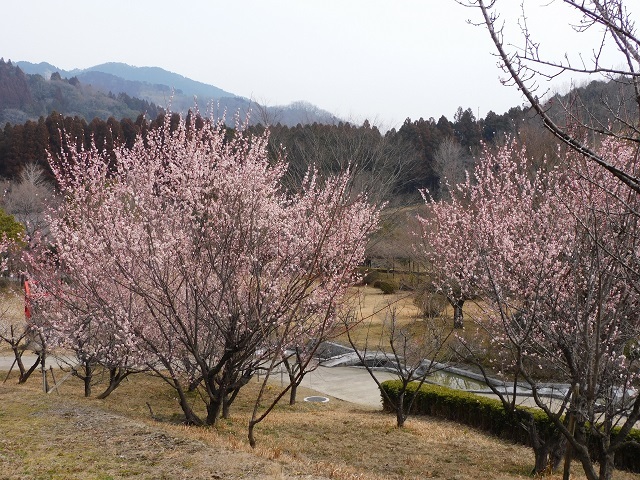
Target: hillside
(25, 96)
(164, 88)
(156, 76)
(598, 103)
(63, 435)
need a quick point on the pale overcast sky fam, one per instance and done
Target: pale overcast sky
(384, 60)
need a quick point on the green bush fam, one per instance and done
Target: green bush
(387, 286)
(628, 456)
(371, 277)
(489, 415)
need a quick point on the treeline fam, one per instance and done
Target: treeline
(414, 155)
(398, 161)
(31, 142)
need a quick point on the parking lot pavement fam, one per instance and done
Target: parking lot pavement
(352, 384)
(7, 360)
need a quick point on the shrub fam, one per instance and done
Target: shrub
(489, 415)
(387, 286)
(371, 277)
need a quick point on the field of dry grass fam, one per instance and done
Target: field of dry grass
(65, 436)
(374, 309)
(11, 312)
(137, 433)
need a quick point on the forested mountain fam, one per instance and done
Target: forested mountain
(131, 78)
(599, 104)
(419, 154)
(397, 163)
(392, 164)
(27, 97)
(168, 89)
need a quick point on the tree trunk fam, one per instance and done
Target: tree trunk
(252, 438)
(88, 376)
(116, 376)
(548, 456)
(606, 466)
(400, 416)
(213, 410)
(293, 393)
(24, 377)
(458, 320)
(226, 406)
(293, 369)
(108, 391)
(541, 454)
(43, 369)
(190, 418)
(587, 464)
(18, 355)
(548, 452)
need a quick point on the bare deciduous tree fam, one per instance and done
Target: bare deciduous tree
(528, 67)
(410, 349)
(27, 198)
(453, 162)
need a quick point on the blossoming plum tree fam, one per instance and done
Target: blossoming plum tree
(190, 253)
(554, 259)
(13, 332)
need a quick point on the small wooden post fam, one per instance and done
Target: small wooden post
(572, 428)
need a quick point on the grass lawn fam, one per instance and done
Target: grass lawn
(137, 431)
(65, 436)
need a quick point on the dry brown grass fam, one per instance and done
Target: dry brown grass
(66, 436)
(373, 308)
(69, 437)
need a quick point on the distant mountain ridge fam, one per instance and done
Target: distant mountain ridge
(131, 75)
(25, 97)
(158, 76)
(168, 89)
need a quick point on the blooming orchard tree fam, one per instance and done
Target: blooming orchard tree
(187, 250)
(605, 289)
(84, 320)
(609, 49)
(554, 260)
(446, 251)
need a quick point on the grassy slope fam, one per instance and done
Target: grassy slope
(68, 437)
(65, 436)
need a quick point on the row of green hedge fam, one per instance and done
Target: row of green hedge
(489, 415)
(382, 281)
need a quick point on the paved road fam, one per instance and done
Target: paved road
(352, 384)
(7, 360)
